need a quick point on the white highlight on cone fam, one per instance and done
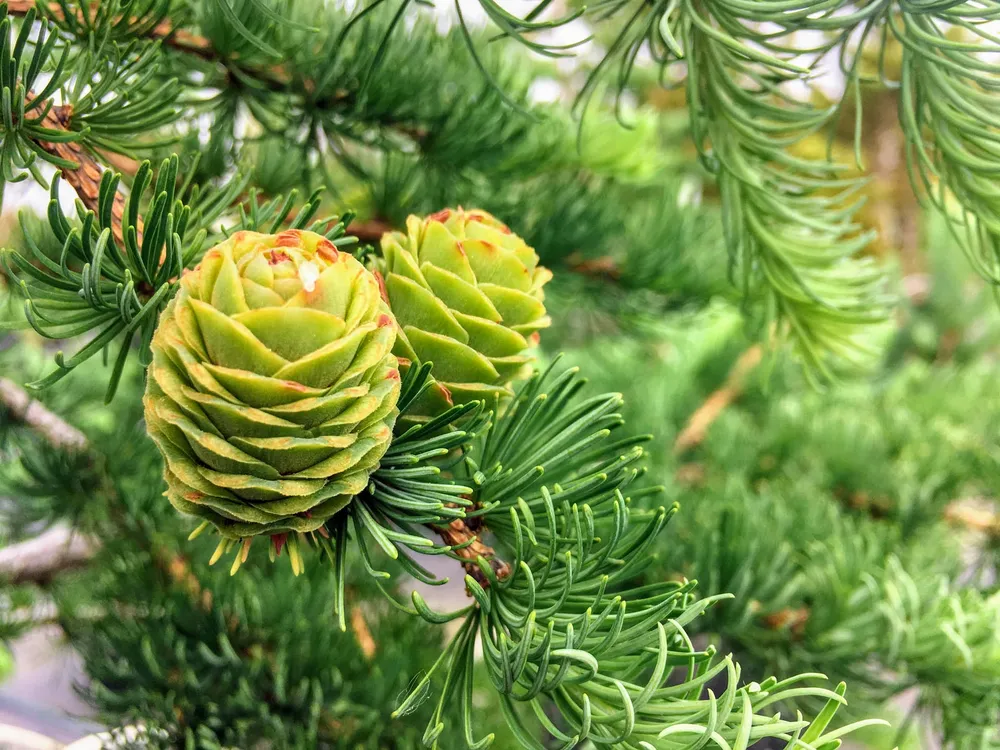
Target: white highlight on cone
(308, 273)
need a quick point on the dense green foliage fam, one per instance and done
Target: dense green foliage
(834, 517)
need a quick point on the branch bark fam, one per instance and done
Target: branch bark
(86, 178)
(21, 407)
(471, 547)
(61, 548)
(38, 560)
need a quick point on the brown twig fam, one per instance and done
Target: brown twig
(470, 547)
(604, 267)
(794, 620)
(370, 231)
(38, 560)
(703, 417)
(22, 408)
(86, 178)
(974, 518)
(362, 634)
(184, 41)
(877, 505)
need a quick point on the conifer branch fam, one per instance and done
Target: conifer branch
(179, 39)
(574, 628)
(948, 112)
(787, 219)
(276, 78)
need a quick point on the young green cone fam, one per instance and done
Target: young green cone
(467, 294)
(272, 392)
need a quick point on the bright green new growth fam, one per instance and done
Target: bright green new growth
(467, 294)
(272, 392)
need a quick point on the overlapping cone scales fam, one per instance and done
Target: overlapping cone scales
(272, 392)
(467, 293)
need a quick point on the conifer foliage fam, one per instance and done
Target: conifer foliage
(363, 391)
